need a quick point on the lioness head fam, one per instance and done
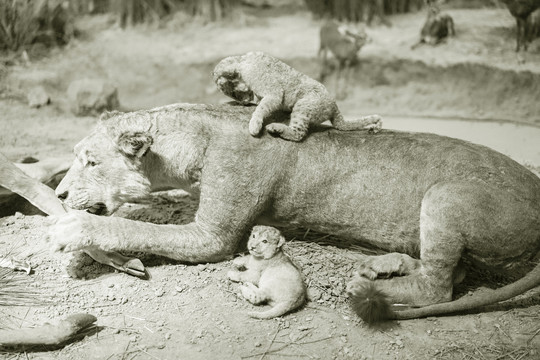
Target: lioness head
(107, 171)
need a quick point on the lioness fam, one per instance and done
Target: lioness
(430, 197)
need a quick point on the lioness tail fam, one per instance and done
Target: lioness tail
(529, 281)
(372, 306)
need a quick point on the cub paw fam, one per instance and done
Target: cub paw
(274, 129)
(255, 126)
(248, 291)
(233, 276)
(239, 263)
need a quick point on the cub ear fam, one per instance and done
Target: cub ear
(281, 241)
(134, 143)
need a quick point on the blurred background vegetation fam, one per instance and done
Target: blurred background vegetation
(50, 22)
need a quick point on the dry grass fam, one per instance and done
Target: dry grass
(360, 10)
(16, 289)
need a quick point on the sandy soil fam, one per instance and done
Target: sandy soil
(192, 311)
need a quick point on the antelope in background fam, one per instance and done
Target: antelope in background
(438, 26)
(344, 44)
(521, 10)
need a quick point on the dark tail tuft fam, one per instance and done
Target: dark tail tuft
(370, 303)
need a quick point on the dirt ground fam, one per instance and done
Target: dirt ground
(192, 311)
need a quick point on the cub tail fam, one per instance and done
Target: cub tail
(371, 123)
(279, 309)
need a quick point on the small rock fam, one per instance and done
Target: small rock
(38, 97)
(92, 96)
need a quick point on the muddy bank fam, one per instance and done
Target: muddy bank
(403, 87)
(398, 87)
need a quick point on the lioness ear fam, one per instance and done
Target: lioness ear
(134, 143)
(108, 114)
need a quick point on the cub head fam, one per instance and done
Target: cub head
(107, 170)
(235, 88)
(265, 241)
(230, 82)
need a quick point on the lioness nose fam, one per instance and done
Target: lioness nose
(62, 196)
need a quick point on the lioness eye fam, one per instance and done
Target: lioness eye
(92, 163)
(265, 241)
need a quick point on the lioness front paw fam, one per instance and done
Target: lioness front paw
(71, 232)
(255, 125)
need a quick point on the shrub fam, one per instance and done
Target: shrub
(23, 22)
(361, 10)
(17, 24)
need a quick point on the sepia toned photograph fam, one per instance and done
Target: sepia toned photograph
(270, 179)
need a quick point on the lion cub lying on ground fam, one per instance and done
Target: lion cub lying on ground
(269, 275)
(257, 75)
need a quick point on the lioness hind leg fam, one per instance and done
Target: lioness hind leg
(446, 218)
(476, 217)
(387, 265)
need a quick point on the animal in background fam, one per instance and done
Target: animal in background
(533, 26)
(344, 43)
(257, 75)
(269, 275)
(376, 8)
(520, 10)
(438, 26)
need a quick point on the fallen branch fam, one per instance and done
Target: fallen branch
(43, 197)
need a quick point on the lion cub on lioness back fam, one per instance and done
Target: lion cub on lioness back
(257, 75)
(269, 275)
